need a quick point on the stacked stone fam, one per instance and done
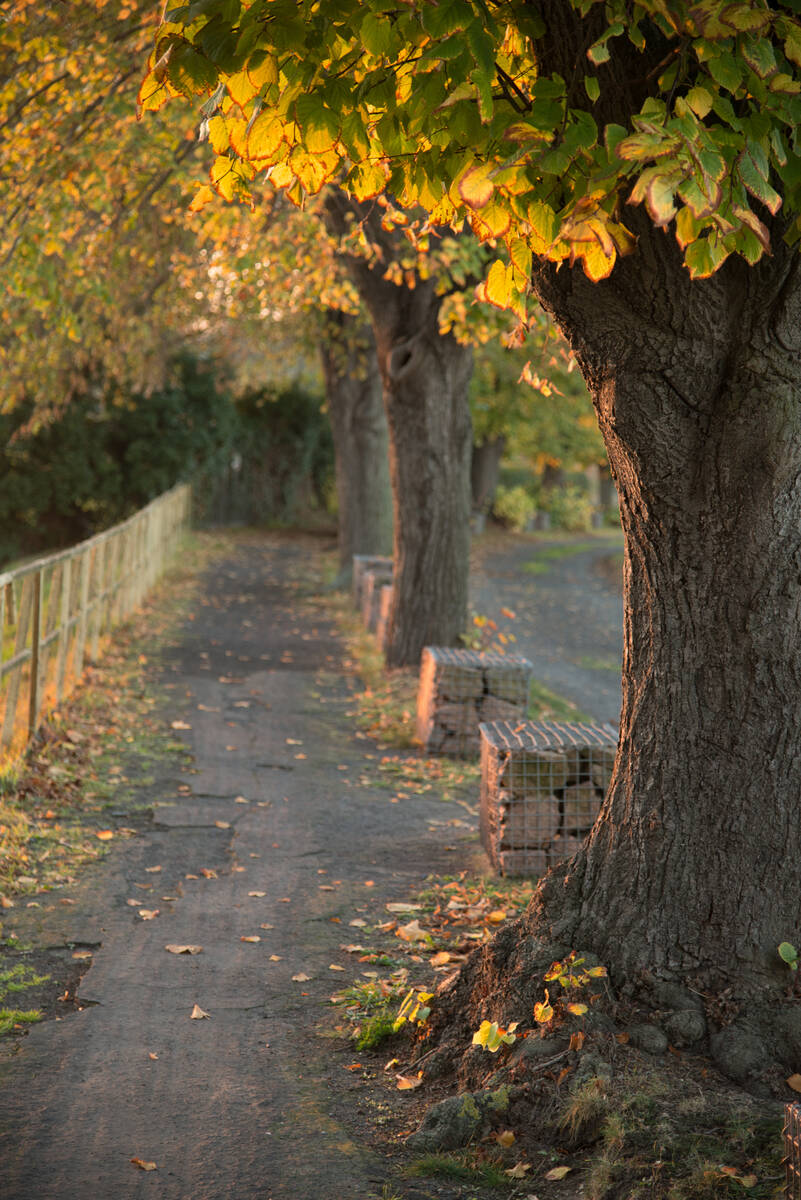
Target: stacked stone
(542, 787)
(372, 586)
(461, 688)
(362, 563)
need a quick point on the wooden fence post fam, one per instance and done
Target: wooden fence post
(36, 641)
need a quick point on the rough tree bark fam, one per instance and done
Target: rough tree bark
(484, 470)
(361, 441)
(425, 377)
(692, 874)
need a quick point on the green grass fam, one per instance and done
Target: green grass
(541, 565)
(545, 705)
(463, 1167)
(590, 663)
(18, 978)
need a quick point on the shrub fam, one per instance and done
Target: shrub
(513, 506)
(569, 507)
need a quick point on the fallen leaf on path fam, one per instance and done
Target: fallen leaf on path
(352, 948)
(241, 800)
(505, 1138)
(251, 938)
(325, 887)
(133, 903)
(440, 959)
(266, 925)
(148, 914)
(155, 1057)
(300, 756)
(104, 835)
(197, 1013)
(241, 704)
(369, 883)
(223, 824)
(353, 1067)
(143, 1165)
(293, 742)
(175, 948)
(285, 900)
(207, 873)
(403, 908)
(413, 932)
(519, 1172)
(358, 922)
(179, 725)
(496, 916)
(152, 870)
(207, 708)
(407, 1083)
(257, 894)
(275, 958)
(335, 967)
(5, 902)
(82, 954)
(301, 978)
(393, 1062)
(232, 747)
(558, 1172)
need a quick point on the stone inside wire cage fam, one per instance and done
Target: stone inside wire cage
(542, 787)
(461, 688)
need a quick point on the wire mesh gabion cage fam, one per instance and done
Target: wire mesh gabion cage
(362, 563)
(461, 688)
(542, 786)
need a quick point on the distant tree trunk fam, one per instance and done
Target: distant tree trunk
(354, 394)
(425, 377)
(608, 489)
(484, 471)
(552, 477)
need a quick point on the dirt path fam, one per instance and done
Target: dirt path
(224, 1115)
(569, 611)
(277, 832)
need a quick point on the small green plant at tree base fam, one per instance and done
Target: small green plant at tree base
(491, 1036)
(789, 954)
(571, 976)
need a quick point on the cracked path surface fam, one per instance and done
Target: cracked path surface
(223, 1114)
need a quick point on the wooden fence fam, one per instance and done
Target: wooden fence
(56, 612)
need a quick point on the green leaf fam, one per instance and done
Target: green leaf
(756, 184)
(760, 56)
(376, 34)
(592, 87)
(726, 71)
(704, 256)
(699, 100)
(788, 953)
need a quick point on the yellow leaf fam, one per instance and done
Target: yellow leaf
(241, 88)
(558, 1172)
(203, 196)
(177, 949)
(265, 73)
(252, 938)
(148, 914)
(393, 1062)
(301, 978)
(578, 1010)
(505, 1138)
(335, 967)
(440, 959)
(179, 725)
(258, 894)
(104, 835)
(519, 1172)
(597, 265)
(143, 1165)
(197, 1013)
(475, 186)
(496, 916)
(265, 136)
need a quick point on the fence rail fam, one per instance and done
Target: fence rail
(56, 612)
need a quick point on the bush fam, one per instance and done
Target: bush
(569, 507)
(513, 506)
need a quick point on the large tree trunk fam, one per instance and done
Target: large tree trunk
(425, 377)
(484, 471)
(694, 869)
(355, 401)
(691, 876)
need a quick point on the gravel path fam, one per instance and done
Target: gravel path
(568, 606)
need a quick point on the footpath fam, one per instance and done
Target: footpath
(218, 1066)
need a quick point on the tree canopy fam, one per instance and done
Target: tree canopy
(454, 107)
